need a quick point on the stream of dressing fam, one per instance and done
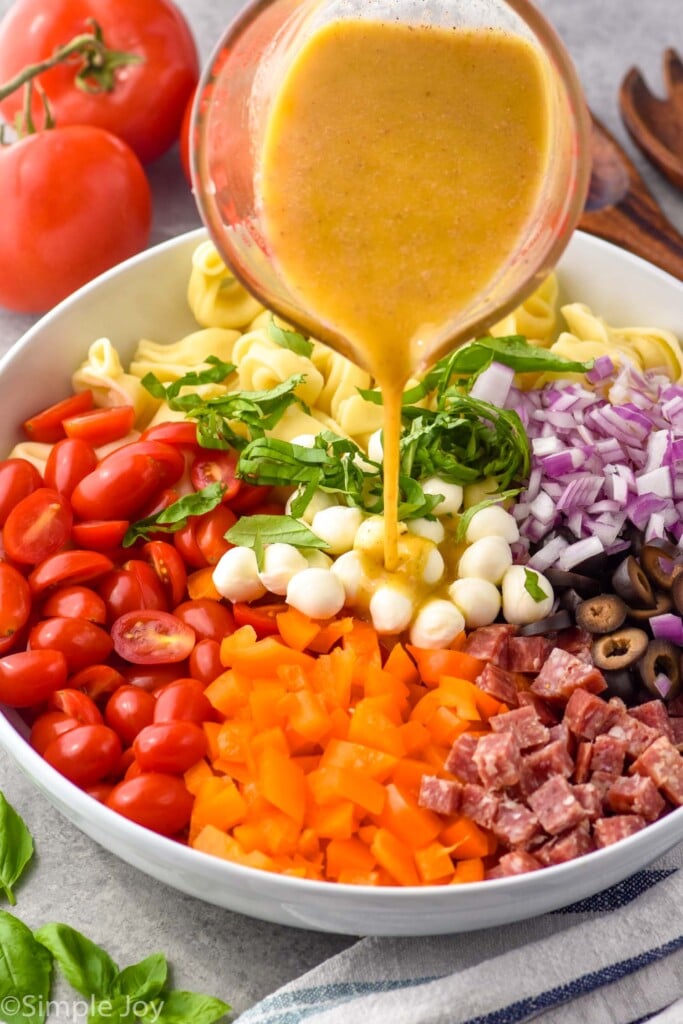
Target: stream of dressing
(399, 169)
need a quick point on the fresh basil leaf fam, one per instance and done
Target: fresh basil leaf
(292, 340)
(516, 352)
(216, 373)
(257, 531)
(144, 980)
(177, 1007)
(175, 516)
(532, 586)
(25, 973)
(16, 848)
(86, 966)
(466, 517)
(115, 1010)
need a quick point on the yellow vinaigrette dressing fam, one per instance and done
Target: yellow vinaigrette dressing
(399, 169)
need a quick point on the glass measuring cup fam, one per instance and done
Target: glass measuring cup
(236, 97)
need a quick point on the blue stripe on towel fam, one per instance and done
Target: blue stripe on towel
(618, 895)
(519, 1011)
(300, 1004)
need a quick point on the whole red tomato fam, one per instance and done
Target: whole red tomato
(146, 104)
(75, 202)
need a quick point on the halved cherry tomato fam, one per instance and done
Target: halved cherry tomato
(183, 701)
(100, 534)
(68, 567)
(47, 426)
(129, 710)
(81, 642)
(159, 802)
(181, 432)
(152, 637)
(262, 617)
(85, 755)
(29, 677)
(205, 661)
(97, 680)
(127, 480)
(101, 426)
(47, 727)
(69, 461)
(209, 619)
(15, 605)
(169, 567)
(121, 592)
(210, 532)
(76, 705)
(18, 479)
(185, 540)
(76, 603)
(153, 677)
(161, 501)
(170, 747)
(151, 587)
(37, 527)
(216, 467)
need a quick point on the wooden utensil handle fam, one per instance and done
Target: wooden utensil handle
(637, 224)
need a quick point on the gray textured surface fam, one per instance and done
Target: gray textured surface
(73, 879)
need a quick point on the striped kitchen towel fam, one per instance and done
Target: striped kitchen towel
(616, 958)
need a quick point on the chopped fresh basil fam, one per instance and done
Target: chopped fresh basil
(16, 848)
(175, 516)
(257, 531)
(532, 586)
(292, 340)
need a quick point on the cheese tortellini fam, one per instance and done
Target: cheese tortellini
(215, 296)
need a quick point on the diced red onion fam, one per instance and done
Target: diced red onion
(657, 481)
(668, 627)
(662, 685)
(574, 554)
(603, 367)
(548, 554)
(493, 385)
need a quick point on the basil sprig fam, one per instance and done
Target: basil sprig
(291, 340)
(16, 848)
(25, 973)
(174, 517)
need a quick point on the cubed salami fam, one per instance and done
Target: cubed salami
(565, 847)
(524, 724)
(587, 715)
(514, 824)
(540, 765)
(675, 706)
(664, 765)
(440, 795)
(608, 755)
(498, 760)
(574, 640)
(459, 761)
(517, 862)
(561, 734)
(556, 806)
(546, 714)
(602, 782)
(582, 761)
(590, 799)
(563, 673)
(635, 794)
(607, 831)
(654, 714)
(676, 731)
(636, 735)
(527, 653)
(479, 804)
(499, 683)
(490, 643)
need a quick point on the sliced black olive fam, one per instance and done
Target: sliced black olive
(622, 683)
(551, 624)
(631, 583)
(677, 593)
(586, 586)
(593, 566)
(601, 614)
(661, 562)
(663, 604)
(620, 649)
(662, 658)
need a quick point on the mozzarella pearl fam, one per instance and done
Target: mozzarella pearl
(429, 529)
(304, 440)
(316, 593)
(434, 567)
(337, 526)
(370, 538)
(436, 624)
(478, 600)
(316, 559)
(390, 609)
(493, 521)
(486, 559)
(375, 447)
(451, 495)
(519, 606)
(348, 569)
(476, 492)
(319, 500)
(280, 563)
(236, 576)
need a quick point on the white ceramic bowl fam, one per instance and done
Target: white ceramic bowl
(145, 297)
